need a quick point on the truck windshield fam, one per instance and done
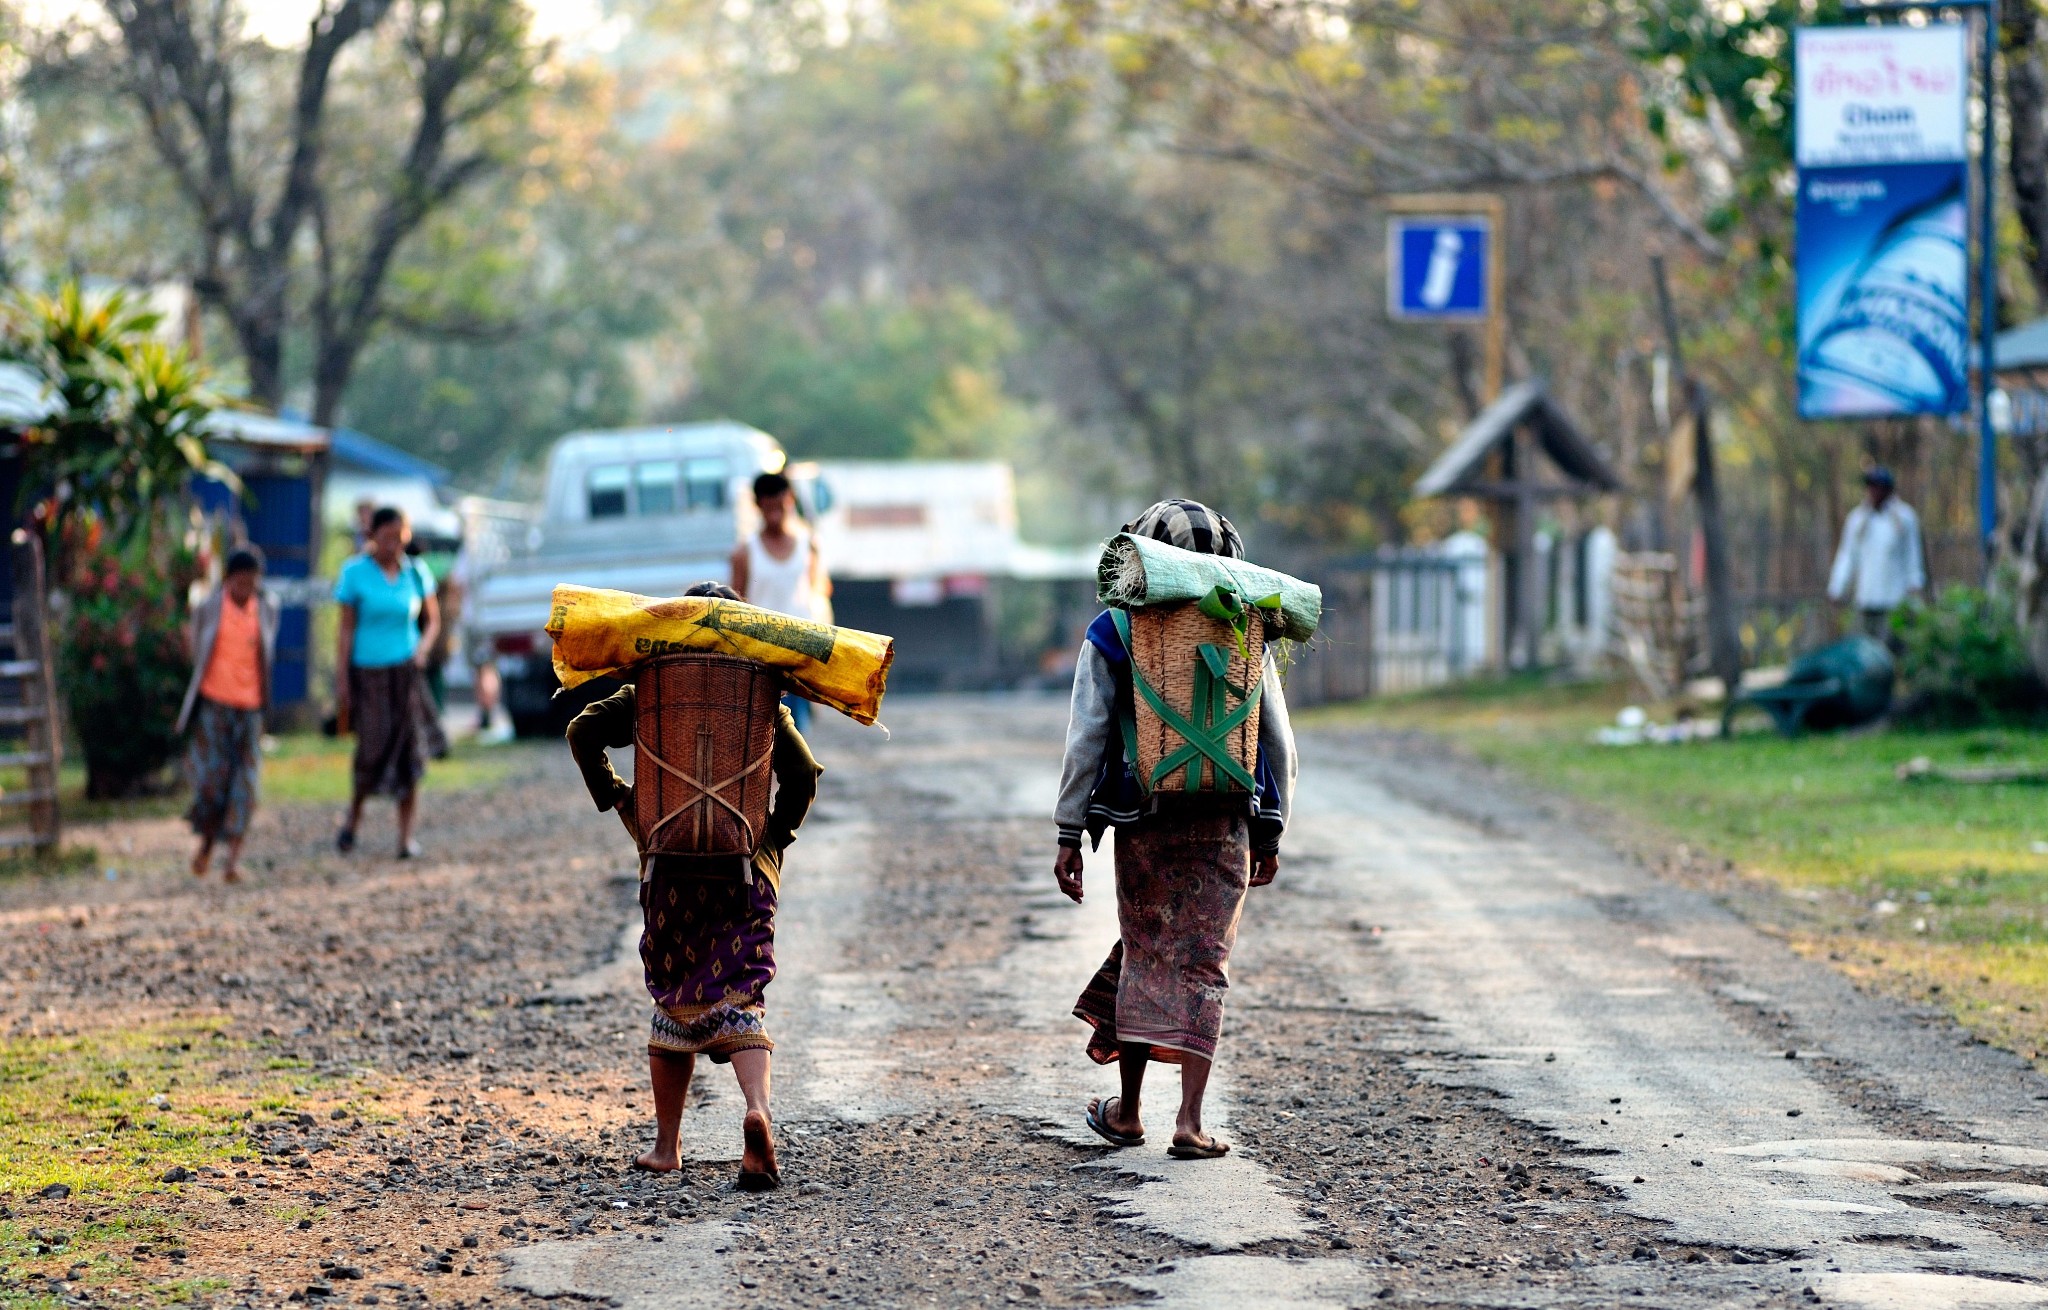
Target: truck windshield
(607, 490)
(656, 486)
(705, 483)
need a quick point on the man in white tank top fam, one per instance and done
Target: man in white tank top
(778, 568)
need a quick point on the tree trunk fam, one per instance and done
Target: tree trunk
(1724, 637)
(259, 331)
(334, 365)
(2026, 94)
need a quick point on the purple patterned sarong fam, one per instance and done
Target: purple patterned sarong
(1180, 887)
(708, 952)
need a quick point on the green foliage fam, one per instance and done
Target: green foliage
(130, 412)
(1734, 62)
(479, 407)
(864, 380)
(112, 461)
(1964, 661)
(123, 655)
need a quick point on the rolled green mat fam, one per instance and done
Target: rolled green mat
(1138, 571)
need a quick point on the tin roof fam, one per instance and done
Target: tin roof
(2025, 346)
(24, 398)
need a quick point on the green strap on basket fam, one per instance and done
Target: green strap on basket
(1209, 739)
(1121, 620)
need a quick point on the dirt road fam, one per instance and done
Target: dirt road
(1471, 1058)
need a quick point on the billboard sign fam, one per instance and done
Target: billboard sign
(1883, 213)
(1877, 95)
(1440, 267)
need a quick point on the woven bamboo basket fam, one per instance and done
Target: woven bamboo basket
(704, 743)
(1166, 643)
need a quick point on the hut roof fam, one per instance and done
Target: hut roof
(1527, 402)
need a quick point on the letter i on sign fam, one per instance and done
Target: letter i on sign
(1442, 274)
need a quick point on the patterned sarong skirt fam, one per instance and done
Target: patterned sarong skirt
(387, 706)
(225, 766)
(1180, 886)
(708, 951)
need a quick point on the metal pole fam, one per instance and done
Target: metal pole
(1987, 298)
(1496, 297)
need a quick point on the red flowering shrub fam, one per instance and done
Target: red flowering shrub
(124, 654)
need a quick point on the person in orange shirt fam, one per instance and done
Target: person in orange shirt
(234, 642)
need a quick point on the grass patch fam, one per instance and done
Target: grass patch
(303, 768)
(108, 1114)
(1919, 886)
(310, 769)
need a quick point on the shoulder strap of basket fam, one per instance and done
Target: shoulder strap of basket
(1211, 703)
(1127, 717)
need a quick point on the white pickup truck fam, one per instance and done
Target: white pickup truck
(650, 510)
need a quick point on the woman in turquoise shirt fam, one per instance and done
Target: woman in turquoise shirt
(388, 623)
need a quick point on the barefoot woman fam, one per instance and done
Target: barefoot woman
(234, 644)
(709, 945)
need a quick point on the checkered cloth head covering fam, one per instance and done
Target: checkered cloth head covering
(1190, 525)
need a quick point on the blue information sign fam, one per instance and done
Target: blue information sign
(1438, 267)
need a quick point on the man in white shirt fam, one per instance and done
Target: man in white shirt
(779, 567)
(1879, 563)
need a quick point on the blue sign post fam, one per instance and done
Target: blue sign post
(1439, 267)
(1444, 266)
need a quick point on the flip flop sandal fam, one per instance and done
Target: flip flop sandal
(1098, 1119)
(1211, 1150)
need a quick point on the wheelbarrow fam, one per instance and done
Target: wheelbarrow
(1842, 685)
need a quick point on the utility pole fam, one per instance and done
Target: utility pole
(1724, 638)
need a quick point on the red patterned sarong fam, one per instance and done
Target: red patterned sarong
(1180, 885)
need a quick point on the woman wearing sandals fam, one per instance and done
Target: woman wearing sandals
(1181, 871)
(388, 622)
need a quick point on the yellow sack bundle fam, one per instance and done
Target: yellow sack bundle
(599, 633)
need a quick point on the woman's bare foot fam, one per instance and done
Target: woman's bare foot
(200, 858)
(658, 1161)
(758, 1168)
(231, 874)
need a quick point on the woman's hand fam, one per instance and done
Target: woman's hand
(1066, 870)
(1265, 868)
